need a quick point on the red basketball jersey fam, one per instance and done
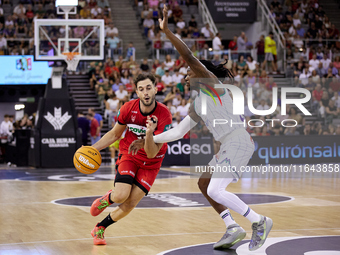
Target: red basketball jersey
(131, 115)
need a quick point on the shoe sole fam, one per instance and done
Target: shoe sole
(268, 228)
(239, 238)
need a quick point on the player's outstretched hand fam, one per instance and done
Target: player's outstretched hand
(151, 123)
(163, 24)
(135, 146)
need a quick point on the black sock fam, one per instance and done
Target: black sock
(106, 222)
(111, 202)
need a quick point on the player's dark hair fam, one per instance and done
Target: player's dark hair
(144, 76)
(220, 71)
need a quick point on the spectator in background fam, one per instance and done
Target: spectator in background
(177, 13)
(319, 54)
(121, 94)
(291, 130)
(206, 31)
(180, 24)
(251, 63)
(217, 44)
(115, 86)
(111, 29)
(314, 63)
(300, 31)
(325, 62)
(113, 42)
(312, 32)
(269, 44)
(19, 9)
(130, 51)
(241, 43)
(192, 23)
(270, 84)
(85, 13)
(144, 65)
(169, 63)
(333, 32)
(102, 3)
(177, 77)
(334, 70)
(29, 14)
(182, 109)
(233, 46)
(98, 117)
(94, 128)
(3, 43)
(167, 79)
(304, 77)
(260, 50)
(336, 62)
(148, 23)
(322, 72)
(160, 70)
(161, 89)
(95, 11)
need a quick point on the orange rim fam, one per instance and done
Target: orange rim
(70, 55)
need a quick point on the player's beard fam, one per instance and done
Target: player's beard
(152, 99)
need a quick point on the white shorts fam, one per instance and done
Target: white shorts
(235, 152)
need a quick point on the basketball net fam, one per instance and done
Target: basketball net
(72, 60)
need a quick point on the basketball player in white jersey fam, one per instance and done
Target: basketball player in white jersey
(236, 148)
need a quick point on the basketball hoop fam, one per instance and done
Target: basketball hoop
(72, 60)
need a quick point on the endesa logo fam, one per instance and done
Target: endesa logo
(24, 64)
(179, 148)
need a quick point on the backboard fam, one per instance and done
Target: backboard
(52, 37)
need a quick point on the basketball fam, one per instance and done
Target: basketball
(87, 159)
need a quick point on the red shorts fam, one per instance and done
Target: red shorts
(133, 171)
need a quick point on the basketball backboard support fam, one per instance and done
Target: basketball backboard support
(57, 34)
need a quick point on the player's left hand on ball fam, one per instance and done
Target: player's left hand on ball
(135, 146)
(151, 123)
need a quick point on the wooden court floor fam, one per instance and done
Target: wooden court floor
(31, 222)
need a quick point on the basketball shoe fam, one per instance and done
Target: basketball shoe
(261, 230)
(98, 235)
(232, 236)
(100, 204)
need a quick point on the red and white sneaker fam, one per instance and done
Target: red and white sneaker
(98, 235)
(100, 204)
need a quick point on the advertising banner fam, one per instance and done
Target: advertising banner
(231, 11)
(23, 70)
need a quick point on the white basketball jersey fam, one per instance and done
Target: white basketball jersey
(224, 113)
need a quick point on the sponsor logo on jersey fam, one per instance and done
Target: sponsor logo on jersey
(137, 129)
(85, 161)
(167, 127)
(133, 118)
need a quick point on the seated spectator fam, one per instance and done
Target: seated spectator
(333, 32)
(323, 103)
(111, 108)
(116, 85)
(319, 54)
(336, 62)
(300, 31)
(161, 89)
(304, 76)
(148, 23)
(332, 112)
(262, 106)
(251, 81)
(312, 32)
(192, 23)
(251, 63)
(160, 70)
(335, 84)
(121, 93)
(180, 24)
(325, 62)
(130, 51)
(177, 77)
(179, 63)
(167, 79)
(292, 114)
(125, 78)
(207, 32)
(241, 64)
(111, 30)
(144, 66)
(19, 9)
(314, 62)
(130, 87)
(315, 77)
(95, 11)
(102, 3)
(334, 70)
(85, 13)
(291, 130)
(182, 109)
(336, 99)
(270, 84)
(169, 63)
(321, 72)
(177, 13)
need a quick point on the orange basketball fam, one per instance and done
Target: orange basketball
(87, 159)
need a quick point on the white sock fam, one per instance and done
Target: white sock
(113, 161)
(252, 216)
(227, 218)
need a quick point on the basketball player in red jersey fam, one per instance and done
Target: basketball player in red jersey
(135, 174)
